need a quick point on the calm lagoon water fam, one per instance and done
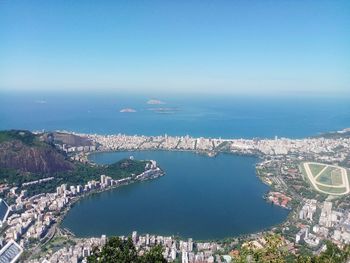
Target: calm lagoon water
(199, 197)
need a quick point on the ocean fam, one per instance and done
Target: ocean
(206, 116)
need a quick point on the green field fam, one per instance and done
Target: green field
(328, 181)
(330, 176)
(336, 177)
(316, 168)
(325, 177)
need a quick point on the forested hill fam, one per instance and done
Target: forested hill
(27, 157)
(27, 152)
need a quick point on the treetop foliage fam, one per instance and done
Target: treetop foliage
(117, 250)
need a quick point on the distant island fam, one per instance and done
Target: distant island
(155, 102)
(127, 110)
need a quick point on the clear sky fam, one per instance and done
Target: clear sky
(239, 47)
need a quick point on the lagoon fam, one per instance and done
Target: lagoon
(199, 197)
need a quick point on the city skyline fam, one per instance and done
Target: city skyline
(265, 47)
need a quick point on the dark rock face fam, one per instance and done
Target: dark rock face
(15, 154)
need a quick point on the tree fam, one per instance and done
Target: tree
(117, 250)
(155, 255)
(272, 252)
(333, 254)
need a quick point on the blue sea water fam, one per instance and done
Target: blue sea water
(207, 116)
(199, 197)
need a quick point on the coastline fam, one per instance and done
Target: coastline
(209, 153)
(259, 160)
(267, 151)
(64, 231)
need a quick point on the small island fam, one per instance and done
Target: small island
(127, 110)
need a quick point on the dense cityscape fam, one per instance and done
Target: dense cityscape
(278, 146)
(33, 222)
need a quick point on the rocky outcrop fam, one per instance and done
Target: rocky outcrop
(35, 158)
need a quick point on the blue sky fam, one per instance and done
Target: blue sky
(238, 47)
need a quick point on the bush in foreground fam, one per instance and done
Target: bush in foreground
(117, 250)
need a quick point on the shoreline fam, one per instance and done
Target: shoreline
(206, 152)
(276, 168)
(57, 226)
(257, 156)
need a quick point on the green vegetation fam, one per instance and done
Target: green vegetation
(15, 178)
(328, 181)
(123, 168)
(57, 243)
(275, 252)
(336, 177)
(123, 251)
(332, 190)
(25, 144)
(330, 176)
(333, 254)
(325, 176)
(81, 174)
(307, 192)
(316, 168)
(272, 252)
(26, 137)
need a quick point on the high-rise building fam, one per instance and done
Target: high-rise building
(184, 257)
(134, 237)
(4, 211)
(302, 234)
(73, 189)
(103, 179)
(190, 244)
(147, 239)
(58, 190)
